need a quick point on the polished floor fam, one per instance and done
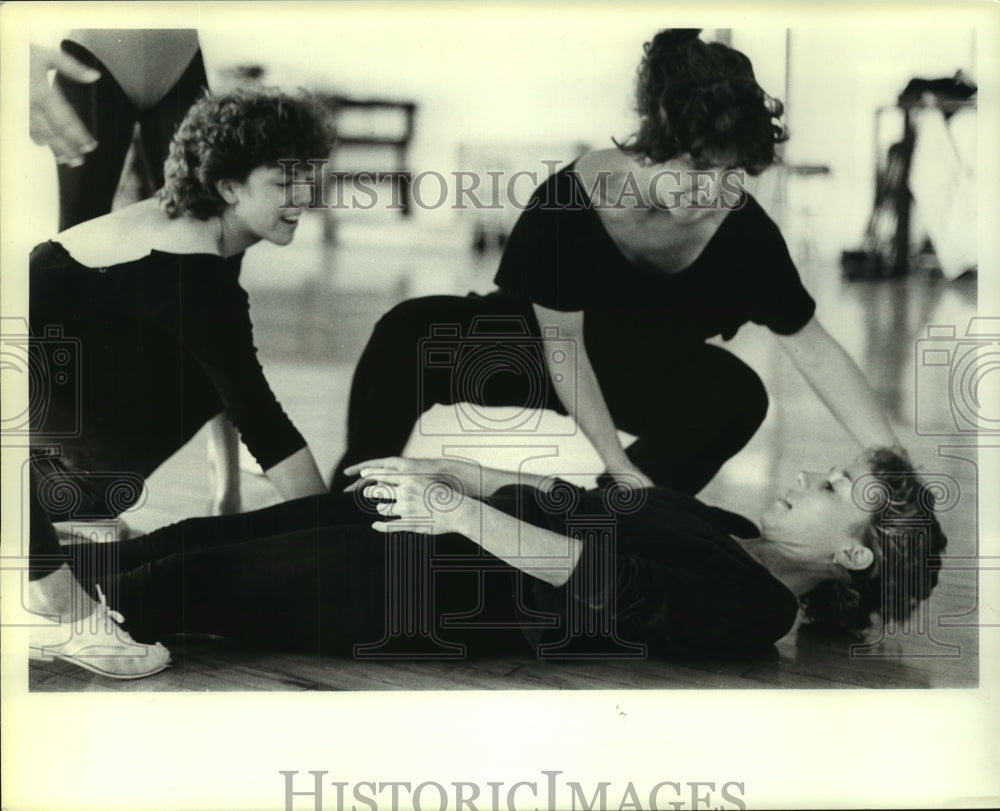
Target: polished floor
(314, 305)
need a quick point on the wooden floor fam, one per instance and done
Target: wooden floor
(311, 324)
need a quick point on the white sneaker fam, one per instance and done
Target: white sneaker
(97, 643)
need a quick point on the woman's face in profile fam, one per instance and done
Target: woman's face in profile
(814, 519)
(269, 202)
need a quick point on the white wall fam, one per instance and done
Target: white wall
(838, 77)
(537, 76)
(545, 76)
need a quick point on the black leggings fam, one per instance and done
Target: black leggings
(87, 191)
(689, 417)
(309, 575)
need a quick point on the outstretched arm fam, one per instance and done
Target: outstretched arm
(839, 383)
(415, 502)
(542, 553)
(475, 480)
(580, 393)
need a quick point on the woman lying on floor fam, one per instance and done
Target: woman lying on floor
(479, 562)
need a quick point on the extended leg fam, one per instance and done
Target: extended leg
(308, 575)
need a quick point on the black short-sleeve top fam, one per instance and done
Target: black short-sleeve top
(560, 256)
(156, 339)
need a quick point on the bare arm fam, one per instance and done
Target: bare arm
(224, 466)
(549, 556)
(536, 551)
(296, 476)
(475, 480)
(580, 393)
(839, 383)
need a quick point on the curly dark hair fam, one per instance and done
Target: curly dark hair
(228, 136)
(906, 540)
(702, 99)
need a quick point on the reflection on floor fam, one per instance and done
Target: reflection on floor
(313, 309)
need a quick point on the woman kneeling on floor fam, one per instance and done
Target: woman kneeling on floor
(144, 306)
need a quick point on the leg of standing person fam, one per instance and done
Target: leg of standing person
(482, 350)
(87, 191)
(692, 418)
(158, 123)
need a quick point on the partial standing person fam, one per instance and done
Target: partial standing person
(635, 255)
(150, 296)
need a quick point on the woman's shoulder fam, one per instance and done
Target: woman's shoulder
(135, 232)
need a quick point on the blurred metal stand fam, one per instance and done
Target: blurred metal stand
(888, 244)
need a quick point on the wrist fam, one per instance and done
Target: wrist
(465, 518)
(465, 473)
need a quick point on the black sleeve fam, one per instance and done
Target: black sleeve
(779, 301)
(546, 259)
(215, 329)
